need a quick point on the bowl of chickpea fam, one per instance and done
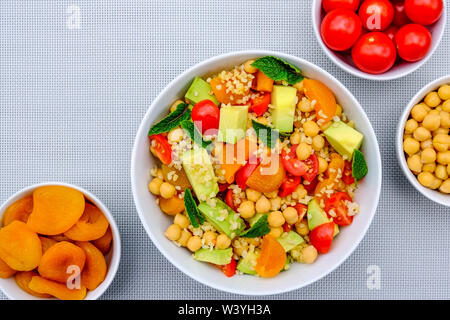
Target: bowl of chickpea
(423, 141)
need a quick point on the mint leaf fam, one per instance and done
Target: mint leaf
(195, 135)
(278, 70)
(359, 165)
(191, 208)
(266, 134)
(172, 120)
(259, 229)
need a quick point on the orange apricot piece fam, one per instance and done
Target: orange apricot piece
(104, 243)
(60, 237)
(23, 279)
(272, 258)
(92, 225)
(57, 261)
(20, 246)
(55, 209)
(94, 271)
(5, 270)
(267, 177)
(19, 210)
(58, 290)
(171, 206)
(46, 243)
(325, 100)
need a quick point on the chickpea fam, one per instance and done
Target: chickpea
(426, 179)
(275, 204)
(429, 167)
(194, 243)
(247, 209)
(411, 125)
(302, 227)
(444, 92)
(248, 67)
(295, 138)
(446, 106)
(414, 163)
(445, 186)
(431, 121)
(252, 195)
(262, 205)
(301, 192)
(305, 105)
(272, 194)
(174, 106)
(419, 111)
(167, 190)
(318, 142)
(184, 238)
(223, 242)
(290, 215)
(173, 232)
(338, 110)
(440, 131)
(181, 220)
(309, 254)
(441, 142)
(426, 144)
(210, 238)
(323, 165)
(276, 232)
(441, 172)
(276, 219)
(421, 134)
(175, 135)
(311, 128)
(155, 185)
(443, 157)
(240, 250)
(303, 151)
(436, 183)
(448, 169)
(435, 112)
(411, 146)
(428, 155)
(432, 99)
(445, 119)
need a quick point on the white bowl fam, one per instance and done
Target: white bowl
(344, 61)
(12, 290)
(155, 222)
(433, 195)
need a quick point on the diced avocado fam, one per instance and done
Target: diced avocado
(290, 240)
(343, 138)
(232, 123)
(255, 219)
(200, 90)
(222, 217)
(200, 172)
(316, 216)
(248, 263)
(220, 257)
(283, 112)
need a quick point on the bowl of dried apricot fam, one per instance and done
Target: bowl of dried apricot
(57, 241)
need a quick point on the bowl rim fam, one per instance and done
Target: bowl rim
(143, 131)
(317, 4)
(433, 195)
(116, 254)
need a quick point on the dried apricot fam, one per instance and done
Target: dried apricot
(20, 246)
(272, 258)
(46, 243)
(57, 261)
(60, 237)
(23, 278)
(58, 290)
(92, 225)
(5, 270)
(55, 209)
(19, 210)
(94, 271)
(104, 243)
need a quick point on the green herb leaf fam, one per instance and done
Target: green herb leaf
(278, 70)
(359, 165)
(266, 134)
(259, 229)
(172, 120)
(191, 208)
(195, 135)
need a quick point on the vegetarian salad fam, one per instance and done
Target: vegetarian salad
(258, 167)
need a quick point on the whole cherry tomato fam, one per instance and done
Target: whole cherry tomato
(329, 5)
(413, 42)
(291, 163)
(260, 104)
(376, 15)
(161, 148)
(205, 115)
(289, 185)
(424, 12)
(400, 17)
(312, 163)
(347, 175)
(337, 203)
(340, 29)
(374, 53)
(321, 237)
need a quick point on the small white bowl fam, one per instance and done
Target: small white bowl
(344, 61)
(433, 195)
(12, 290)
(155, 222)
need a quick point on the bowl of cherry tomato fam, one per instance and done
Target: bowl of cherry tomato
(379, 39)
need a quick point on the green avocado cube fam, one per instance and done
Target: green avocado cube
(247, 264)
(316, 217)
(290, 240)
(283, 103)
(343, 138)
(232, 123)
(217, 256)
(200, 90)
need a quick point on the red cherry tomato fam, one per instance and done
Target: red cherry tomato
(391, 31)
(223, 186)
(161, 148)
(312, 163)
(205, 115)
(260, 104)
(229, 269)
(329, 5)
(337, 204)
(321, 237)
(291, 163)
(424, 12)
(413, 42)
(376, 15)
(347, 176)
(400, 17)
(301, 210)
(374, 53)
(340, 29)
(230, 200)
(289, 185)
(244, 173)
(311, 186)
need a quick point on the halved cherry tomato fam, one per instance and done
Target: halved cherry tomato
(312, 164)
(229, 200)
(260, 104)
(160, 147)
(301, 210)
(337, 204)
(245, 172)
(223, 186)
(289, 185)
(205, 115)
(311, 186)
(321, 237)
(229, 269)
(291, 163)
(347, 176)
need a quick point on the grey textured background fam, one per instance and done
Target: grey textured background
(71, 102)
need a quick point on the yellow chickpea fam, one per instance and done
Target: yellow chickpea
(445, 119)
(426, 144)
(311, 128)
(184, 238)
(444, 92)
(210, 238)
(173, 232)
(435, 112)
(181, 220)
(411, 125)
(441, 172)
(443, 157)
(308, 254)
(167, 190)
(295, 138)
(248, 67)
(318, 142)
(223, 242)
(441, 142)
(247, 209)
(432, 99)
(421, 134)
(262, 205)
(276, 219)
(436, 183)
(300, 192)
(323, 165)
(414, 163)
(448, 169)
(302, 227)
(305, 105)
(411, 146)
(426, 179)
(429, 167)
(440, 131)
(272, 194)
(446, 106)
(276, 232)
(431, 121)
(174, 106)
(428, 155)
(303, 151)
(155, 185)
(419, 111)
(252, 195)
(445, 186)
(275, 204)
(290, 215)
(194, 243)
